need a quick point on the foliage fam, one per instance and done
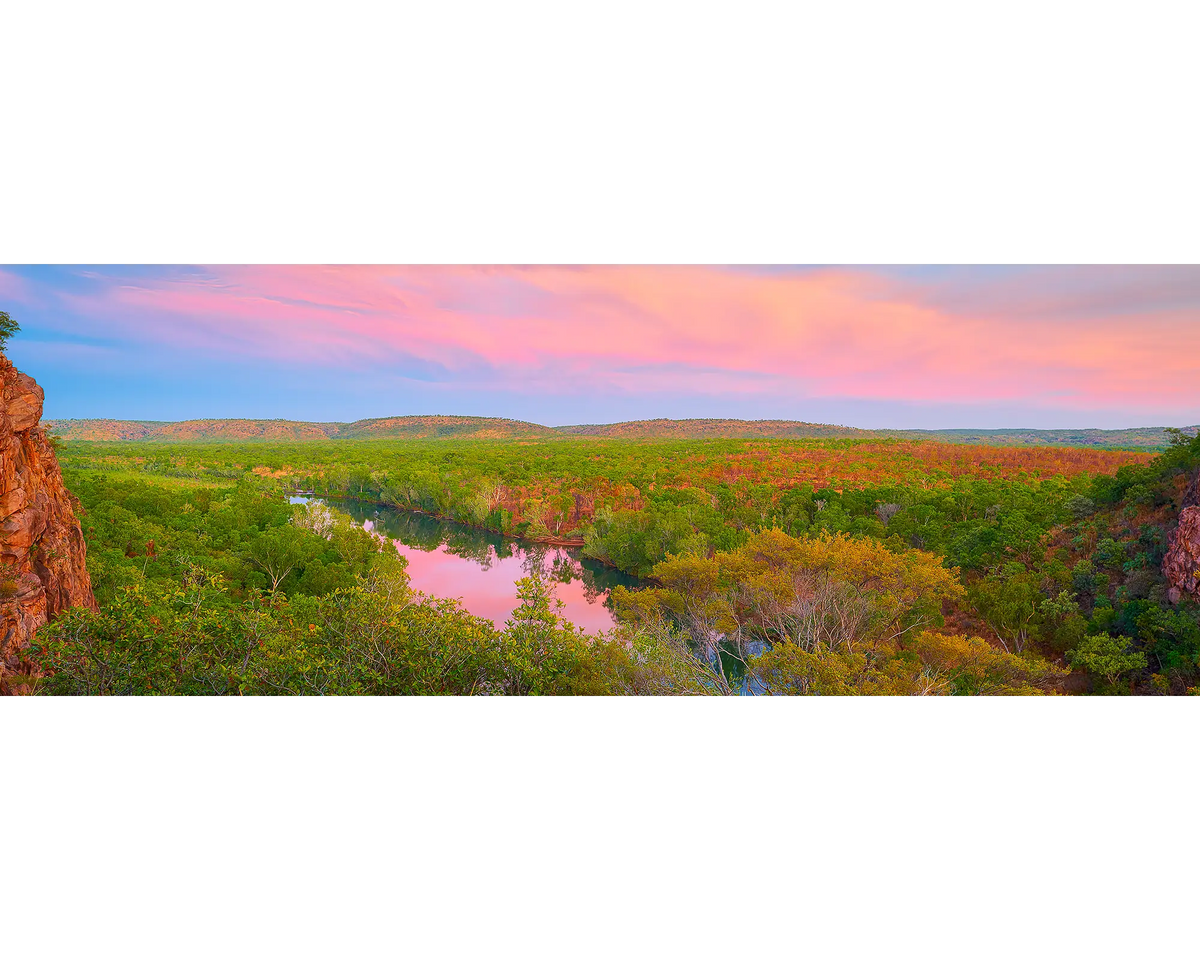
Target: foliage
(8, 327)
(827, 566)
(926, 664)
(1080, 506)
(1106, 657)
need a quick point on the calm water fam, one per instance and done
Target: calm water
(481, 568)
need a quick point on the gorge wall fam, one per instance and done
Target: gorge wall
(1181, 565)
(42, 570)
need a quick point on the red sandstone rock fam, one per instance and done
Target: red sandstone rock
(42, 568)
(23, 401)
(1181, 565)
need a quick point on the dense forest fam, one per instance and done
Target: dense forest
(827, 566)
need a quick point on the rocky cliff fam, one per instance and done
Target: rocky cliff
(1181, 565)
(42, 570)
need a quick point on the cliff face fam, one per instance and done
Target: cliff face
(1181, 565)
(42, 571)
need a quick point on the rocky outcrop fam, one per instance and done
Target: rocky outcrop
(1181, 565)
(42, 570)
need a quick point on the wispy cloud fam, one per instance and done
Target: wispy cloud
(1058, 338)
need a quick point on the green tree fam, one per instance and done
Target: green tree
(1009, 603)
(1080, 506)
(1107, 657)
(278, 551)
(8, 326)
(532, 634)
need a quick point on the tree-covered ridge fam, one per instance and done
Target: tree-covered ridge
(208, 431)
(714, 429)
(102, 429)
(432, 427)
(497, 428)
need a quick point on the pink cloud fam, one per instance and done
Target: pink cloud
(15, 288)
(828, 333)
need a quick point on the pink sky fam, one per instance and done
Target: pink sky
(1069, 342)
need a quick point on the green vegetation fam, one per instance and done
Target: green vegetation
(825, 566)
(635, 502)
(8, 327)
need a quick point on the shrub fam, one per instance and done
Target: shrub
(1109, 553)
(1079, 506)
(1083, 577)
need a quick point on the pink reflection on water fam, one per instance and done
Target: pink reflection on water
(492, 592)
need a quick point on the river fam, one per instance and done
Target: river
(481, 568)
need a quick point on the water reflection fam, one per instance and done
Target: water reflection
(481, 568)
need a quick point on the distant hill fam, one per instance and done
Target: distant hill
(188, 430)
(497, 428)
(1139, 437)
(478, 428)
(1145, 438)
(714, 429)
(103, 429)
(383, 428)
